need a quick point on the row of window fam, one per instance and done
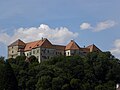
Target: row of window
(47, 51)
(74, 53)
(29, 54)
(52, 52)
(35, 51)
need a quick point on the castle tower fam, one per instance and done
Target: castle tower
(16, 48)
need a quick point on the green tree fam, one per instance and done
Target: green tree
(57, 83)
(75, 84)
(95, 71)
(66, 87)
(44, 83)
(2, 70)
(10, 79)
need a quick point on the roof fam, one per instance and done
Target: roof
(59, 47)
(30, 45)
(72, 46)
(87, 50)
(46, 44)
(93, 48)
(39, 43)
(17, 43)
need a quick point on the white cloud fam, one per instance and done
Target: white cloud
(85, 26)
(116, 50)
(58, 35)
(99, 27)
(104, 25)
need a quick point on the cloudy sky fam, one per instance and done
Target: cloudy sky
(85, 21)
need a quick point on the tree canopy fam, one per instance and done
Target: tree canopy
(95, 71)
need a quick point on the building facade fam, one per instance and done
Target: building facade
(43, 49)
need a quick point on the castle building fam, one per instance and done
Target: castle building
(43, 49)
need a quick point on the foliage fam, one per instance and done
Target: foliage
(2, 70)
(96, 71)
(10, 79)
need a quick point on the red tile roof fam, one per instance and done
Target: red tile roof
(72, 46)
(93, 48)
(45, 43)
(29, 46)
(40, 43)
(17, 43)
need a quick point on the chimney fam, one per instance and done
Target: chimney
(72, 40)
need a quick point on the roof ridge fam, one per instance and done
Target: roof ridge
(44, 41)
(17, 42)
(72, 45)
(33, 41)
(38, 43)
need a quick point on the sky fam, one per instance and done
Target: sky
(84, 21)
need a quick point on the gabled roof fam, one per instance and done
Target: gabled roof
(17, 43)
(30, 45)
(39, 43)
(93, 48)
(46, 44)
(72, 46)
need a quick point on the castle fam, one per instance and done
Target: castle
(43, 49)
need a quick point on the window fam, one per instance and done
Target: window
(30, 53)
(27, 54)
(12, 51)
(43, 51)
(37, 51)
(33, 52)
(68, 53)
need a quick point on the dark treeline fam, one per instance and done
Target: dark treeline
(96, 71)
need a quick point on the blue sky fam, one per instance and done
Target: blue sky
(85, 21)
